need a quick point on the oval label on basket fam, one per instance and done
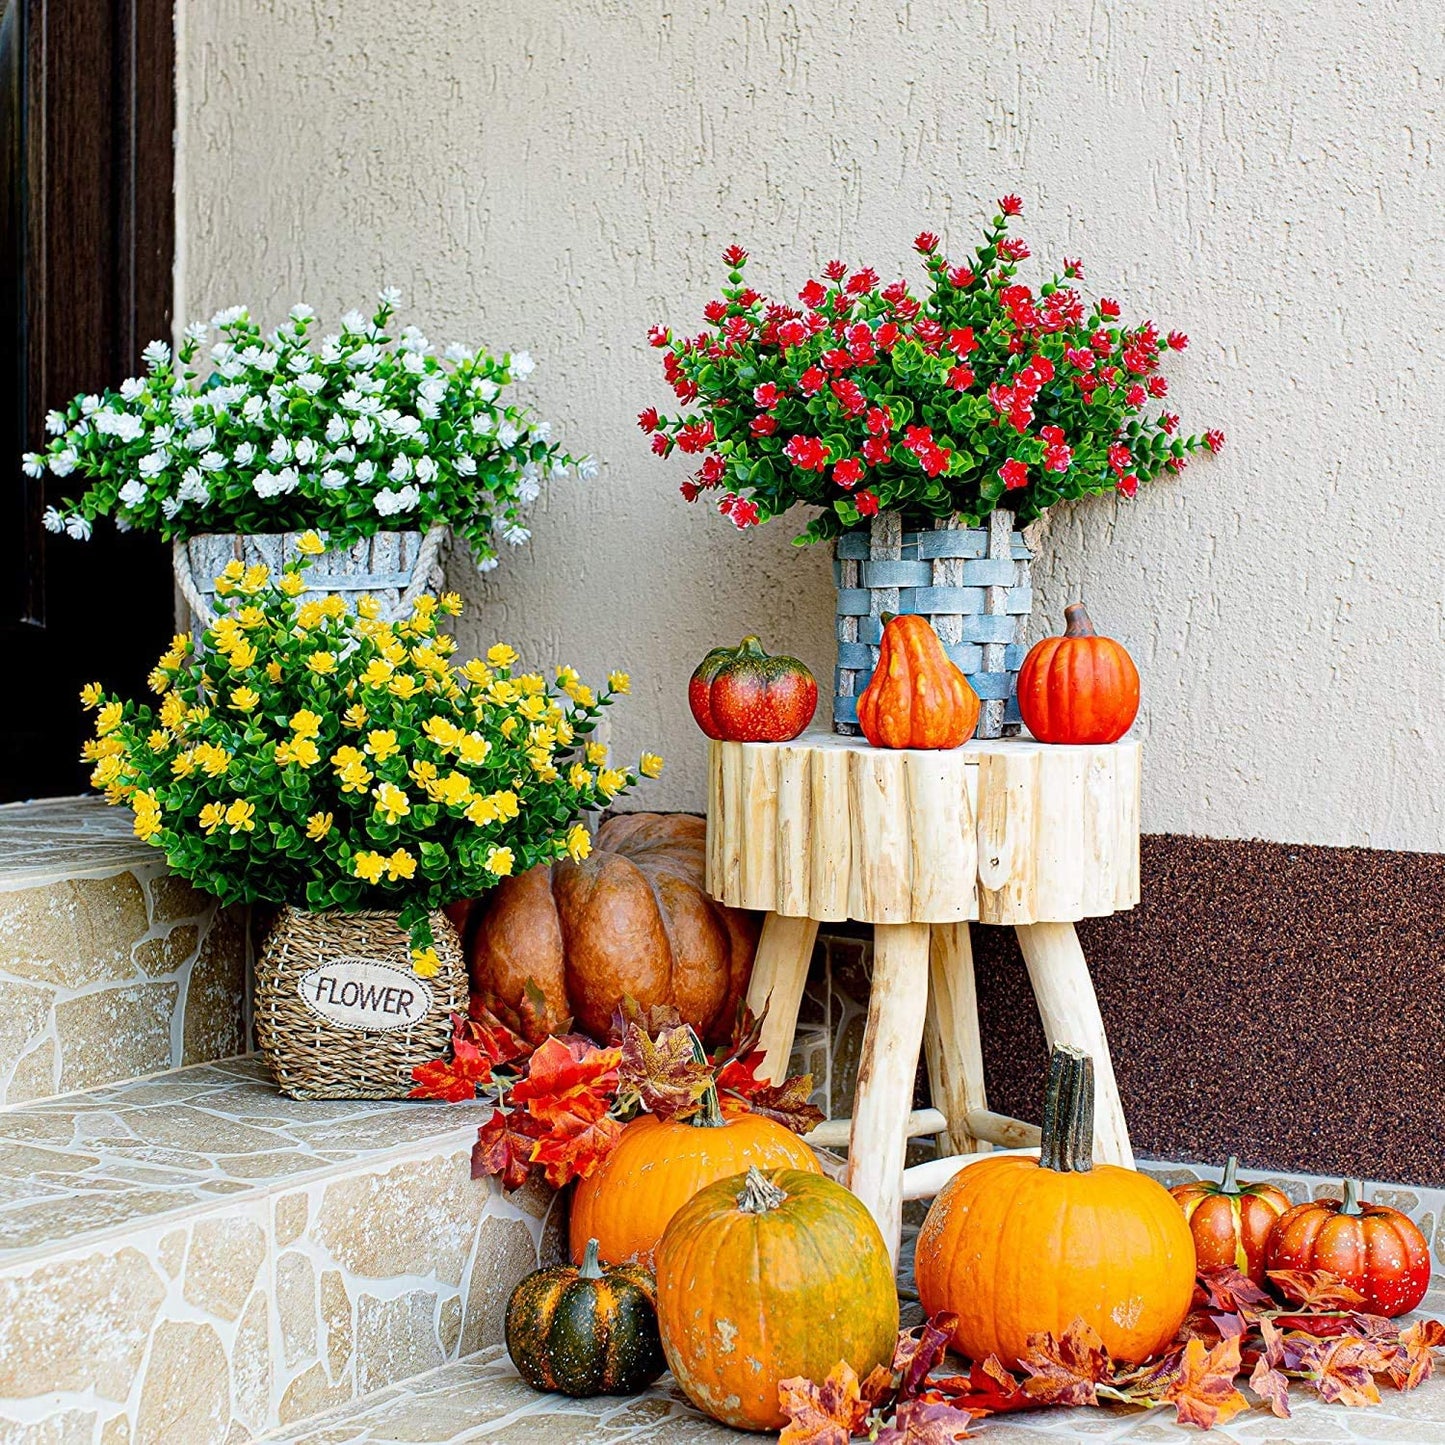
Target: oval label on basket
(365, 994)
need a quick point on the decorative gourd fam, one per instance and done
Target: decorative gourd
(916, 697)
(764, 1277)
(1230, 1221)
(632, 918)
(657, 1165)
(744, 695)
(1014, 1245)
(587, 1331)
(1078, 688)
(1370, 1247)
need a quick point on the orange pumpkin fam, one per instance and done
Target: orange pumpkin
(657, 1165)
(764, 1277)
(1078, 688)
(916, 697)
(1230, 1221)
(1014, 1245)
(632, 918)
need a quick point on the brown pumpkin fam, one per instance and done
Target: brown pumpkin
(633, 918)
(1014, 1245)
(763, 1277)
(1231, 1221)
(917, 697)
(1078, 688)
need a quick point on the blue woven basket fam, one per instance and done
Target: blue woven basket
(972, 583)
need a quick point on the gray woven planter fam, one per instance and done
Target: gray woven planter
(972, 583)
(393, 567)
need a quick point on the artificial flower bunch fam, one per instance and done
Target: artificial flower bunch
(980, 393)
(328, 760)
(354, 433)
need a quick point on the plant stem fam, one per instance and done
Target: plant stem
(591, 1266)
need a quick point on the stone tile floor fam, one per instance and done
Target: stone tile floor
(66, 838)
(481, 1398)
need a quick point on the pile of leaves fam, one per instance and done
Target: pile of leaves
(1318, 1338)
(560, 1106)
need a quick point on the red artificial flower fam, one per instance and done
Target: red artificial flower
(1214, 439)
(835, 270)
(929, 334)
(1168, 421)
(960, 277)
(764, 426)
(810, 383)
(934, 459)
(662, 445)
(1119, 458)
(960, 378)
(926, 242)
(747, 297)
(1041, 367)
(659, 336)
(1102, 342)
(1134, 397)
(792, 333)
(766, 394)
(876, 450)
(1014, 474)
(1108, 307)
(713, 468)
(685, 390)
(648, 419)
(1077, 356)
(886, 336)
(848, 473)
(1158, 387)
(1011, 205)
(860, 283)
(813, 295)
(715, 311)
(808, 454)
(735, 256)
(837, 359)
(1074, 269)
(1011, 248)
(1128, 485)
(1176, 464)
(961, 342)
(866, 503)
(690, 490)
(737, 329)
(879, 421)
(695, 437)
(1177, 341)
(744, 513)
(850, 397)
(918, 436)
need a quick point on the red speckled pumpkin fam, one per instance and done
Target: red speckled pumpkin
(743, 695)
(1078, 688)
(1230, 1221)
(917, 697)
(1370, 1247)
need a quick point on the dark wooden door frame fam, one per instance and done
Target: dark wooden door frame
(87, 103)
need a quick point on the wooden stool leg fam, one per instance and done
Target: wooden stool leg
(1069, 1009)
(780, 973)
(951, 1038)
(897, 1004)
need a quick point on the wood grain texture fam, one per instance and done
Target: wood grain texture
(951, 1038)
(780, 973)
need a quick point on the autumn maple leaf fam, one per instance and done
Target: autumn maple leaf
(1268, 1380)
(456, 1079)
(503, 1149)
(501, 1044)
(827, 1414)
(1233, 1292)
(926, 1422)
(665, 1075)
(1065, 1371)
(573, 1148)
(787, 1103)
(1203, 1390)
(652, 1019)
(568, 1078)
(1343, 1370)
(1315, 1289)
(1416, 1361)
(914, 1356)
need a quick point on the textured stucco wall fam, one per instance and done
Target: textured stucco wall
(560, 173)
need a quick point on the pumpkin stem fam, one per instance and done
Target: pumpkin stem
(751, 646)
(1351, 1206)
(591, 1264)
(1076, 619)
(709, 1110)
(760, 1194)
(884, 618)
(1230, 1183)
(1068, 1130)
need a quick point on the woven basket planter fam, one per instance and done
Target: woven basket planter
(394, 567)
(339, 1012)
(972, 583)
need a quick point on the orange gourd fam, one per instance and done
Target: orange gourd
(764, 1277)
(1231, 1221)
(1014, 1245)
(657, 1165)
(917, 697)
(1078, 688)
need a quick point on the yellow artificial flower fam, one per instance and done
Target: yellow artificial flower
(108, 719)
(610, 781)
(423, 772)
(241, 816)
(91, 695)
(293, 584)
(533, 684)
(565, 733)
(650, 765)
(355, 716)
(368, 866)
(309, 544)
(473, 748)
(509, 727)
(318, 825)
(245, 699)
(147, 825)
(378, 672)
(309, 615)
(506, 803)
(451, 603)
(322, 662)
(392, 650)
(567, 677)
(429, 659)
(534, 709)
(367, 607)
(500, 655)
(254, 579)
(334, 606)
(344, 756)
(159, 740)
(197, 715)
(499, 861)
(579, 843)
(473, 671)
(214, 760)
(212, 816)
(273, 670)
(305, 723)
(391, 802)
(400, 865)
(106, 770)
(454, 790)
(500, 690)
(579, 777)
(158, 680)
(403, 685)
(243, 655)
(355, 778)
(425, 963)
(302, 751)
(94, 748)
(582, 695)
(184, 764)
(381, 743)
(443, 733)
(250, 618)
(596, 753)
(619, 682)
(481, 811)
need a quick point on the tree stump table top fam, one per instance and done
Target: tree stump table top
(1003, 830)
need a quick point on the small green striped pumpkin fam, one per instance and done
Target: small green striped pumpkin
(587, 1331)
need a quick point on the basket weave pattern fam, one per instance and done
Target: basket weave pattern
(313, 1057)
(972, 583)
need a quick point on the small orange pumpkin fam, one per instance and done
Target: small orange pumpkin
(1231, 1221)
(1078, 688)
(917, 697)
(764, 1277)
(657, 1165)
(1014, 1245)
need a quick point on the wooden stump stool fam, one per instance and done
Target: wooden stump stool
(1005, 831)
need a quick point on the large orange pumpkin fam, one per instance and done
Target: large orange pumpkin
(633, 918)
(657, 1165)
(1014, 1245)
(1078, 688)
(1231, 1221)
(917, 697)
(764, 1277)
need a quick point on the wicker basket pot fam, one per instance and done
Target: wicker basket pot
(394, 567)
(972, 583)
(339, 1012)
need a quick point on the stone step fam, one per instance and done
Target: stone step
(192, 1259)
(110, 968)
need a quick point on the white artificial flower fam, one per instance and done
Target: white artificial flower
(542, 431)
(362, 430)
(528, 490)
(484, 423)
(457, 352)
(485, 389)
(351, 399)
(331, 350)
(364, 356)
(33, 464)
(228, 317)
(122, 523)
(89, 405)
(183, 408)
(222, 351)
(52, 520)
(426, 469)
(170, 506)
(156, 354)
(63, 463)
(193, 487)
(55, 422)
(335, 428)
(306, 450)
(366, 471)
(230, 369)
(131, 389)
(588, 469)
(280, 450)
(508, 434)
(389, 296)
(400, 468)
(213, 462)
(388, 503)
(434, 388)
(333, 479)
(162, 436)
(557, 471)
(487, 564)
(345, 454)
(368, 383)
(414, 339)
(301, 312)
(413, 362)
(299, 361)
(516, 535)
(245, 454)
(125, 425)
(201, 438)
(466, 465)
(521, 365)
(133, 493)
(353, 321)
(266, 361)
(197, 331)
(78, 527)
(288, 478)
(153, 463)
(428, 409)
(311, 383)
(405, 426)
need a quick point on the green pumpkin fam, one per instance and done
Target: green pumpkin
(587, 1331)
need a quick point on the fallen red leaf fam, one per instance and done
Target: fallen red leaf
(503, 1150)
(926, 1422)
(1065, 1371)
(568, 1078)
(652, 1019)
(662, 1074)
(1315, 1289)
(1416, 1361)
(827, 1414)
(1203, 1391)
(573, 1147)
(456, 1079)
(1232, 1292)
(914, 1356)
